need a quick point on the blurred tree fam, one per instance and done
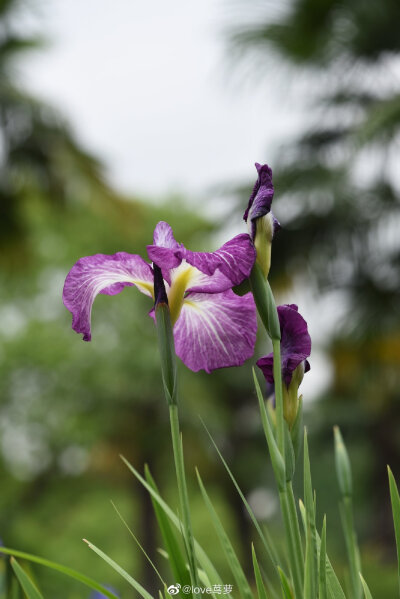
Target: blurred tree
(39, 151)
(338, 198)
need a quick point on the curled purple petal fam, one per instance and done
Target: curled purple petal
(102, 274)
(295, 345)
(234, 259)
(216, 330)
(163, 236)
(228, 266)
(261, 199)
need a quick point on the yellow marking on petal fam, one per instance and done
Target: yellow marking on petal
(145, 286)
(180, 281)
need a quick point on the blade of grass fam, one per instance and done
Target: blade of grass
(30, 589)
(136, 585)
(89, 582)
(231, 557)
(395, 500)
(323, 594)
(287, 593)
(262, 593)
(367, 592)
(266, 541)
(175, 557)
(202, 557)
(334, 587)
(344, 476)
(311, 560)
(138, 543)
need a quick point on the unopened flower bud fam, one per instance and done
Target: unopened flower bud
(261, 222)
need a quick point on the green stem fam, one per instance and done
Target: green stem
(182, 490)
(169, 375)
(280, 437)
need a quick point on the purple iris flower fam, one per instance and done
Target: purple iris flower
(213, 327)
(261, 223)
(295, 346)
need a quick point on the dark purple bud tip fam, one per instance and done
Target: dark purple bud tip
(261, 198)
(160, 295)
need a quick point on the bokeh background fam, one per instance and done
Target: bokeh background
(116, 115)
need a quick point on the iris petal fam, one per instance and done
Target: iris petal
(228, 266)
(215, 330)
(295, 344)
(102, 274)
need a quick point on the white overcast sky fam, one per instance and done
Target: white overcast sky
(146, 86)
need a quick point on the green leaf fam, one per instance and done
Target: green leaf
(26, 583)
(201, 555)
(124, 522)
(262, 593)
(136, 585)
(395, 499)
(175, 556)
(231, 557)
(343, 467)
(311, 560)
(287, 593)
(89, 582)
(323, 593)
(367, 592)
(277, 461)
(334, 587)
(266, 540)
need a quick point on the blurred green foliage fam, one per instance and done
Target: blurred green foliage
(68, 408)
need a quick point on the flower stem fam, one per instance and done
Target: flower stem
(169, 375)
(280, 437)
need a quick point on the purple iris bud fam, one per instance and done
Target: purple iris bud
(160, 295)
(295, 349)
(260, 221)
(213, 328)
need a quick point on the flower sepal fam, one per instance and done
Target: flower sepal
(290, 396)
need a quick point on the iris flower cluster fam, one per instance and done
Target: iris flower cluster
(212, 326)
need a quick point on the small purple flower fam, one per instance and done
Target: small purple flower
(295, 349)
(295, 345)
(260, 221)
(213, 327)
(98, 595)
